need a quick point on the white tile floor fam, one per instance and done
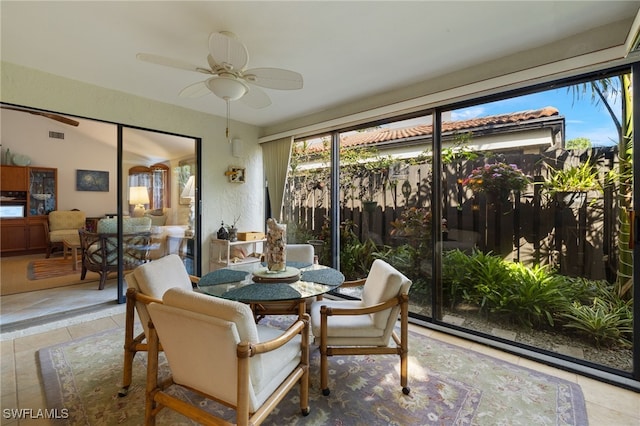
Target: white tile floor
(21, 386)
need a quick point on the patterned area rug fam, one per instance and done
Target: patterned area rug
(50, 268)
(449, 386)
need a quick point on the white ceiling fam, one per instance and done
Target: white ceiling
(346, 51)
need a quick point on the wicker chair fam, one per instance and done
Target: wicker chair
(100, 252)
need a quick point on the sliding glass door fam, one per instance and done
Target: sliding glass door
(159, 185)
(536, 249)
(511, 215)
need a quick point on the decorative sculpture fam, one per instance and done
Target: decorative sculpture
(276, 254)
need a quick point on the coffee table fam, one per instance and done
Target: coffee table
(71, 246)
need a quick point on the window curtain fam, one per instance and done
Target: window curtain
(276, 156)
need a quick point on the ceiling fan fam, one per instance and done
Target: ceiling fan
(49, 115)
(230, 79)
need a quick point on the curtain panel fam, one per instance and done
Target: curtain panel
(276, 156)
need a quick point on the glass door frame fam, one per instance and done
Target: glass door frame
(121, 196)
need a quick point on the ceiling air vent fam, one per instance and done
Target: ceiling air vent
(56, 135)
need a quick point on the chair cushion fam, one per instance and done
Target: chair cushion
(65, 220)
(63, 234)
(300, 253)
(129, 225)
(155, 278)
(225, 318)
(383, 283)
(342, 330)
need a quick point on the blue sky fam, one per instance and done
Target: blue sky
(583, 118)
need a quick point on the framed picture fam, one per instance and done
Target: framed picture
(92, 180)
(236, 174)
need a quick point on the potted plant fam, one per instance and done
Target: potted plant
(570, 186)
(498, 179)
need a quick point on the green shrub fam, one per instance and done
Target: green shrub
(604, 321)
(531, 297)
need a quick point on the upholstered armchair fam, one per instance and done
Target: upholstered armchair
(214, 347)
(63, 225)
(100, 250)
(145, 284)
(366, 326)
(302, 253)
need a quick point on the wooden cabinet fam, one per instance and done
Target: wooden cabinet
(13, 178)
(35, 191)
(225, 254)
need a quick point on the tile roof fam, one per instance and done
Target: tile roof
(385, 135)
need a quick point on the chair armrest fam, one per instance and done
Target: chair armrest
(328, 311)
(194, 279)
(270, 345)
(354, 283)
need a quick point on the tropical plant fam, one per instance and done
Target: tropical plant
(531, 297)
(603, 321)
(581, 178)
(606, 91)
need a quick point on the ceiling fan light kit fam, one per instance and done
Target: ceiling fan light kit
(227, 88)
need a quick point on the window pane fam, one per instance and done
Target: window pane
(535, 193)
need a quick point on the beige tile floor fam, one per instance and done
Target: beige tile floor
(21, 386)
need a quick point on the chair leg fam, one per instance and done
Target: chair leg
(324, 367)
(152, 377)
(129, 344)
(404, 343)
(103, 280)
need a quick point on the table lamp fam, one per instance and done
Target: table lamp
(189, 192)
(138, 197)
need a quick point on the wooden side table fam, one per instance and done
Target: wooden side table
(71, 246)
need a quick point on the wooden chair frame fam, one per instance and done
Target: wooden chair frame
(134, 344)
(157, 398)
(401, 342)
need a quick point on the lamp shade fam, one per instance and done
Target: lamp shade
(138, 195)
(189, 190)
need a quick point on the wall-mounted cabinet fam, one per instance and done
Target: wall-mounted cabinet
(27, 195)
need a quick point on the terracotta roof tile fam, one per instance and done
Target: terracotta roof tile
(385, 135)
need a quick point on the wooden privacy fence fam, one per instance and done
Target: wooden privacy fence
(578, 239)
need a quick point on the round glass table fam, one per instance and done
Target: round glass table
(286, 296)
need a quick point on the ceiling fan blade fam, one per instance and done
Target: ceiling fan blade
(274, 78)
(48, 115)
(172, 63)
(227, 51)
(195, 90)
(256, 98)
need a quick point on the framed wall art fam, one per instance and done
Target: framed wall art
(236, 174)
(92, 180)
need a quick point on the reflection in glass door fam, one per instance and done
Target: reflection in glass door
(536, 194)
(160, 193)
